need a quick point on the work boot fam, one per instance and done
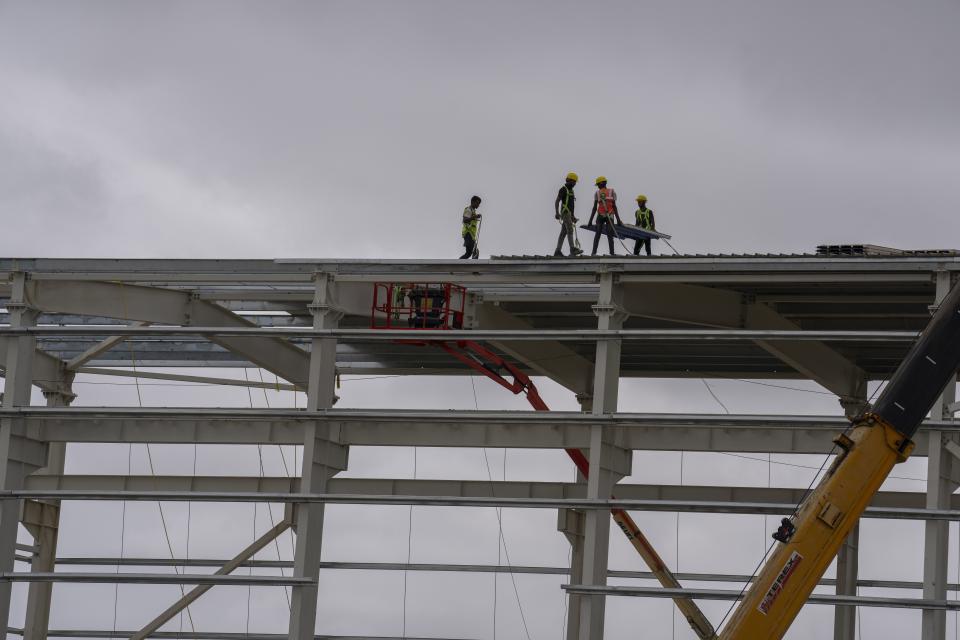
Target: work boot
(558, 254)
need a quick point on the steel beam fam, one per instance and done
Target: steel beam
(738, 579)
(511, 429)
(96, 350)
(707, 306)
(150, 304)
(680, 506)
(153, 375)
(49, 373)
(206, 579)
(204, 635)
(219, 333)
(195, 593)
(778, 498)
(548, 358)
(723, 594)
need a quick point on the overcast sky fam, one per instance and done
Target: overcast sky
(360, 129)
(303, 129)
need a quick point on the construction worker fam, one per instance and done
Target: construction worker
(563, 208)
(645, 221)
(470, 229)
(605, 208)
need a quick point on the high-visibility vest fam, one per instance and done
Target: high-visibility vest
(643, 218)
(567, 199)
(606, 198)
(469, 226)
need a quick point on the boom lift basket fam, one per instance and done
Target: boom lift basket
(417, 305)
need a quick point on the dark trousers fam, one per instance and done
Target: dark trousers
(469, 242)
(604, 223)
(639, 243)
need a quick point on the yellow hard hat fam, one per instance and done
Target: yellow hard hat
(601, 179)
(572, 176)
(641, 198)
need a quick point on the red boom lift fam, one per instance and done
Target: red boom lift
(416, 306)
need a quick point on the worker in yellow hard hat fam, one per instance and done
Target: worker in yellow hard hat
(645, 221)
(605, 208)
(470, 229)
(563, 208)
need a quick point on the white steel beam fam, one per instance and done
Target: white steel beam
(49, 373)
(228, 382)
(724, 594)
(714, 307)
(391, 335)
(164, 306)
(775, 497)
(453, 501)
(549, 358)
(191, 596)
(207, 635)
(151, 578)
(738, 579)
(100, 348)
(517, 429)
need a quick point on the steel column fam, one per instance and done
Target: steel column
(940, 486)
(42, 520)
(608, 462)
(570, 522)
(844, 617)
(322, 458)
(18, 457)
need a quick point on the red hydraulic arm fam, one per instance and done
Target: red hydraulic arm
(507, 375)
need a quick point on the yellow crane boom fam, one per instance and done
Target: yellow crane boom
(876, 442)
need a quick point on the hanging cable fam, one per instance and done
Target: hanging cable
(503, 540)
(286, 471)
(771, 545)
(566, 598)
(163, 520)
(250, 572)
(710, 389)
(276, 542)
(676, 559)
(409, 552)
(123, 531)
(496, 576)
(189, 513)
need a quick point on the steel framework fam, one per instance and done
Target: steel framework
(840, 321)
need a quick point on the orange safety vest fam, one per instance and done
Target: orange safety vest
(605, 198)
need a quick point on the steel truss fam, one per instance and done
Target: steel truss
(837, 321)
